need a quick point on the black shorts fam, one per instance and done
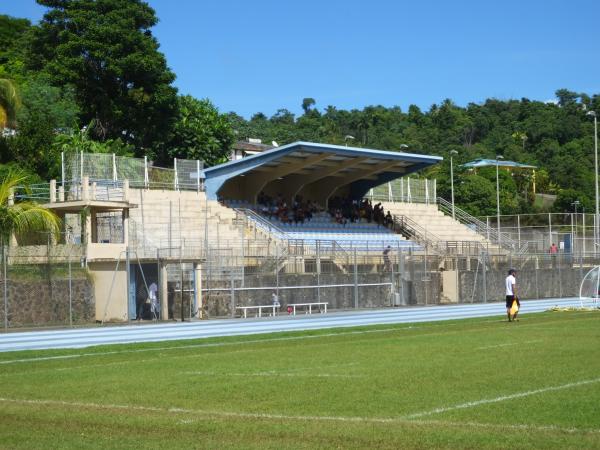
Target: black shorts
(510, 299)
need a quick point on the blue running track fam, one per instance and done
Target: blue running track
(123, 334)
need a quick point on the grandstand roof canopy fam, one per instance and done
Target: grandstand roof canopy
(315, 171)
(477, 163)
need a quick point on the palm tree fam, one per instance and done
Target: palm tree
(9, 104)
(22, 216)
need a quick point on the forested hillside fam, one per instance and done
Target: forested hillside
(91, 76)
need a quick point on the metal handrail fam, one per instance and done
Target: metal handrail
(411, 229)
(491, 234)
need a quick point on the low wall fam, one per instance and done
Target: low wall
(44, 302)
(541, 283)
(335, 289)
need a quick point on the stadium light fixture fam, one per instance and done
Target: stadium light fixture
(597, 215)
(498, 158)
(348, 137)
(452, 153)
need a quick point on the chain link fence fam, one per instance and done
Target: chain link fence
(45, 285)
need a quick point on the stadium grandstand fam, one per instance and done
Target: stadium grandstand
(305, 220)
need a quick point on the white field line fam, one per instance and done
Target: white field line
(258, 341)
(502, 398)
(285, 417)
(274, 374)
(294, 372)
(508, 344)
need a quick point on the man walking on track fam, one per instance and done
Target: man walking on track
(511, 295)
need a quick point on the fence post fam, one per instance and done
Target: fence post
(401, 275)
(146, 177)
(70, 296)
(484, 277)
(550, 229)
(232, 296)
(402, 189)
(519, 229)
(318, 271)
(176, 180)
(5, 275)
(114, 167)
(62, 168)
(198, 175)
(355, 281)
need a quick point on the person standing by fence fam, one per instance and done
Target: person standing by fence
(511, 295)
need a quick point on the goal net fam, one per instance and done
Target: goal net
(589, 291)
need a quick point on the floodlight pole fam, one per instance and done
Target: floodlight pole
(597, 216)
(498, 157)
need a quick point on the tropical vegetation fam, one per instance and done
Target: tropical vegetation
(91, 77)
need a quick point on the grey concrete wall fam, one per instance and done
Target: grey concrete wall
(542, 283)
(32, 303)
(419, 291)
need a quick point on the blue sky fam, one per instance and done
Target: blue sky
(250, 56)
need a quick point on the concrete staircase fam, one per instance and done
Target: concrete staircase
(440, 226)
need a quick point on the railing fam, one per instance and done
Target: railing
(34, 192)
(141, 173)
(415, 232)
(407, 190)
(261, 223)
(491, 234)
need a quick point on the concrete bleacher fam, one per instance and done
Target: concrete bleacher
(444, 227)
(322, 227)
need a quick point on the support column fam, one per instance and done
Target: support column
(87, 228)
(198, 298)
(52, 191)
(85, 188)
(164, 292)
(12, 241)
(126, 226)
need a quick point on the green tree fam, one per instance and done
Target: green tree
(200, 132)
(307, 104)
(106, 51)
(9, 104)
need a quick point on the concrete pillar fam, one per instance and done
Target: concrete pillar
(12, 241)
(85, 188)
(52, 191)
(198, 290)
(125, 190)
(126, 226)
(164, 293)
(61, 194)
(87, 229)
(94, 226)
(93, 193)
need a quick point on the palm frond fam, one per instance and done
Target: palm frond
(11, 180)
(28, 216)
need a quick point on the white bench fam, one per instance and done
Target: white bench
(310, 305)
(245, 309)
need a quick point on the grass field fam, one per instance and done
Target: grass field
(480, 383)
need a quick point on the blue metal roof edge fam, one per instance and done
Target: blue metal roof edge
(483, 162)
(271, 154)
